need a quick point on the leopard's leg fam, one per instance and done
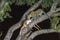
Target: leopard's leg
(20, 33)
(38, 26)
(28, 34)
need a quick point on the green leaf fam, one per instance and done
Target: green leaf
(3, 11)
(58, 27)
(53, 22)
(46, 3)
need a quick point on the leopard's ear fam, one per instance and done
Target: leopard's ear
(39, 11)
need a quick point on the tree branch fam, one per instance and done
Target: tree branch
(56, 14)
(17, 25)
(33, 35)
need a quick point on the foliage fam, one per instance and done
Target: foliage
(53, 22)
(58, 27)
(47, 3)
(23, 2)
(3, 11)
(10, 1)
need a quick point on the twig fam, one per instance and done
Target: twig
(53, 8)
(2, 3)
(58, 9)
(55, 14)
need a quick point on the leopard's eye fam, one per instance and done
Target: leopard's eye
(31, 17)
(42, 13)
